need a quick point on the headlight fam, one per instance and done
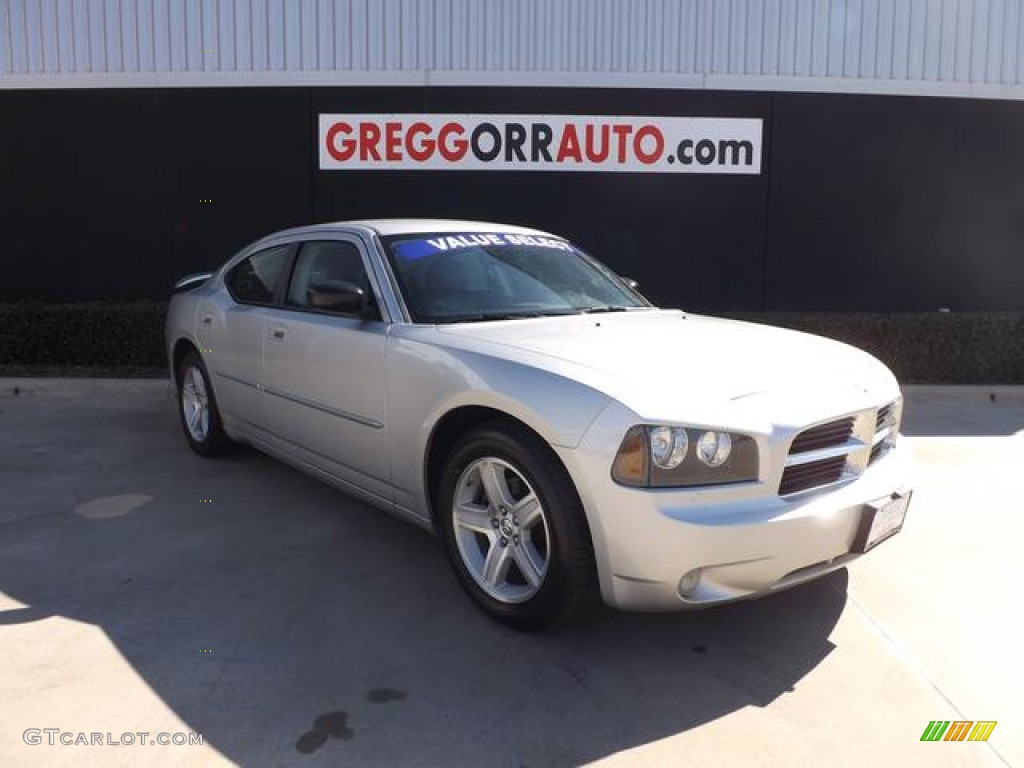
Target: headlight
(714, 448)
(658, 456)
(668, 446)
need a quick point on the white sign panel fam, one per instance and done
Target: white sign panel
(540, 143)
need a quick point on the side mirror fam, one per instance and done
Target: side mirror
(336, 296)
(630, 282)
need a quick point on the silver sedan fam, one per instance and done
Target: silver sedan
(564, 438)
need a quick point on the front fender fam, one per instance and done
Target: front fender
(426, 382)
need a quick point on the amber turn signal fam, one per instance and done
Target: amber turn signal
(630, 465)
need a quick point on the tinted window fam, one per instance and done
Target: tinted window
(326, 261)
(256, 278)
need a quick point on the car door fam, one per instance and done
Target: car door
(231, 330)
(324, 371)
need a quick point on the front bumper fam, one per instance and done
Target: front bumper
(744, 539)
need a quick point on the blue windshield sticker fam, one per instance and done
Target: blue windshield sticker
(410, 250)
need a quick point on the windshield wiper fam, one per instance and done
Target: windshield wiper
(471, 317)
(599, 310)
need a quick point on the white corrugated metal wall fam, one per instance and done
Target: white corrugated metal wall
(958, 47)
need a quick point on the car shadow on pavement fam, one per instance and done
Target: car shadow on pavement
(291, 625)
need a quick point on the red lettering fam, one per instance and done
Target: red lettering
(638, 144)
(340, 150)
(392, 142)
(595, 155)
(369, 135)
(569, 146)
(422, 151)
(395, 141)
(622, 133)
(455, 149)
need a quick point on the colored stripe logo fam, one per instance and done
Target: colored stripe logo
(958, 730)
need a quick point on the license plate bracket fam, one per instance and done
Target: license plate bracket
(881, 520)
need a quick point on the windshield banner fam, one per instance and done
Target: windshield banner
(414, 249)
(540, 143)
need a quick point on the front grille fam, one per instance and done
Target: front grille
(823, 436)
(839, 450)
(876, 451)
(804, 472)
(813, 474)
(887, 420)
(884, 418)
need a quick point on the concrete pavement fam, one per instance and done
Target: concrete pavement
(143, 589)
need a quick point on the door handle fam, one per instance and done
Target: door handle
(207, 319)
(277, 334)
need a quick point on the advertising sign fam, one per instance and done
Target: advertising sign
(439, 142)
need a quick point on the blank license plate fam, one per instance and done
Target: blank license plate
(881, 519)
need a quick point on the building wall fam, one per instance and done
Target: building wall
(144, 139)
(950, 47)
(863, 203)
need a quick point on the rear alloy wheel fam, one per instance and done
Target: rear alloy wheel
(198, 409)
(515, 529)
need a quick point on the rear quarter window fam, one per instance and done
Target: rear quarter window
(255, 280)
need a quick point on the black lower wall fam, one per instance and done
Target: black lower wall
(864, 203)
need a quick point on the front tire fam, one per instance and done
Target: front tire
(514, 529)
(197, 408)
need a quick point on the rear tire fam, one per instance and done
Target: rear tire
(197, 407)
(515, 530)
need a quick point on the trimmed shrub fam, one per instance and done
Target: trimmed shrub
(93, 335)
(924, 348)
(921, 348)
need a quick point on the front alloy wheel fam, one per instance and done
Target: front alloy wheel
(501, 530)
(514, 528)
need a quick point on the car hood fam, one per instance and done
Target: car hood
(664, 363)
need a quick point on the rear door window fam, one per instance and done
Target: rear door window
(255, 280)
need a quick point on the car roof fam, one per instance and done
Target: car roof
(386, 227)
(408, 226)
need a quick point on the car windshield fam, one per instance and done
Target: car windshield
(450, 277)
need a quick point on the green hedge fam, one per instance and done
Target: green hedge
(924, 348)
(121, 338)
(127, 339)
